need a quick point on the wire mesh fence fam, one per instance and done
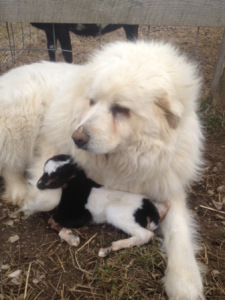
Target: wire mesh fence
(21, 44)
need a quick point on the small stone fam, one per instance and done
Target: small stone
(9, 223)
(223, 200)
(35, 281)
(14, 238)
(223, 223)
(218, 205)
(14, 274)
(13, 215)
(16, 281)
(5, 267)
(215, 272)
(219, 165)
(215, 169)
(210, 192)
(221, 189)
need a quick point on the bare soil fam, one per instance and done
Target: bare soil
(52, 270)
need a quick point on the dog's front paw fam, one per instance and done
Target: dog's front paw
(183, 285)
(15, 194)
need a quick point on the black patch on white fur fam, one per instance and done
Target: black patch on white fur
(71, 211)
(148, 210)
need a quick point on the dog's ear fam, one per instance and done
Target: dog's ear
(164, 105)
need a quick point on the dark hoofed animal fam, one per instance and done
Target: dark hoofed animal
(61, 32)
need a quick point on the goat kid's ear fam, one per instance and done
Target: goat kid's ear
(163, 208)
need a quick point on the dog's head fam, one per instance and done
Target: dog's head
(132, 95)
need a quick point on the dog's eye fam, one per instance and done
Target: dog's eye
(91, 102)
(117, 109)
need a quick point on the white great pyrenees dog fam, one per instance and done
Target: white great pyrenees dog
(129, 118)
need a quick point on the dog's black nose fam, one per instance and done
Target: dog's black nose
(80, 138)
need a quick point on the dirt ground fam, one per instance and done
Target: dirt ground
(50, 269)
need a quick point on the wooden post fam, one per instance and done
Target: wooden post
(218, 83)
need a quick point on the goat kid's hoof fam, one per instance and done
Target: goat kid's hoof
(74, 240)
(68, 236)
(103, 252)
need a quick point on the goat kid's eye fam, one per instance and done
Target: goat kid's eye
(117, 109)
(91, 102)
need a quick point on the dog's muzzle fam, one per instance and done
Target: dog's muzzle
(80, 138)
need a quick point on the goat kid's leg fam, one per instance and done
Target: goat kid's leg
(64, 233)
(140, 239)
(54, 225)
(183, 279)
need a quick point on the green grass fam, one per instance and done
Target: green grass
(131, 273)
(213, 119)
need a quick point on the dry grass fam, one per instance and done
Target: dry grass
(54, 270)
(51, 269)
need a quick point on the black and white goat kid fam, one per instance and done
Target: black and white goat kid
(84, 201)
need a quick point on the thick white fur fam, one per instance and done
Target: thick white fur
(26, 93)
(154, 150)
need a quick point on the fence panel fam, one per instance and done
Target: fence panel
(210, 13)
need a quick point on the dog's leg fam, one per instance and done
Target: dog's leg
(140, 239)
(15, 187)
(37, 200)
(183, 278)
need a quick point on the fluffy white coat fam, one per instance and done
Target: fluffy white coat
(137, 105)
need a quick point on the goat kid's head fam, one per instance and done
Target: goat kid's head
(58, 171)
